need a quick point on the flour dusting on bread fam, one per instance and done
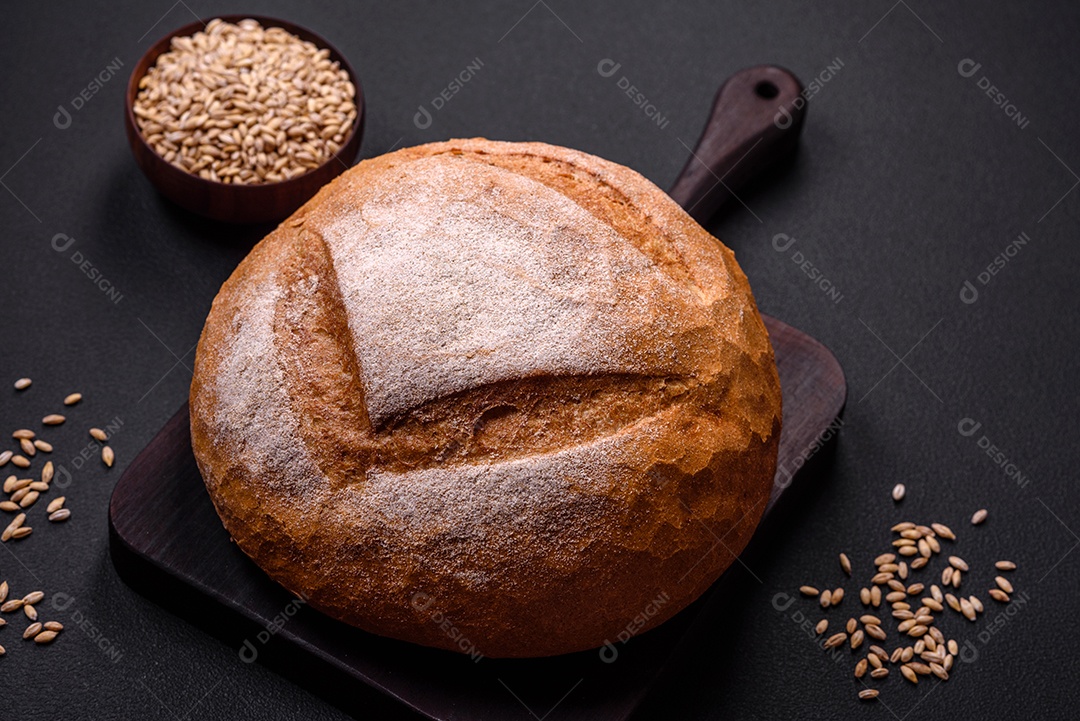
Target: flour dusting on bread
(251, 398)
(462, 274)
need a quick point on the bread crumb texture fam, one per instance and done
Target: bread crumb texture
(511, 380)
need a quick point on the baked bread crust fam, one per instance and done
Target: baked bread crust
(509, 385)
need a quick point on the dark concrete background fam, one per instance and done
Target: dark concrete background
(910, 181)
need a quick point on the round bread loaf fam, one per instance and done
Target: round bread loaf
(500, 398)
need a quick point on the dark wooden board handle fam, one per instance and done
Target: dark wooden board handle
(755, 122)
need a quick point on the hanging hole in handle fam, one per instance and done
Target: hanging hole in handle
(766, 89)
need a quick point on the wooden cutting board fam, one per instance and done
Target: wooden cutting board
(168, 543)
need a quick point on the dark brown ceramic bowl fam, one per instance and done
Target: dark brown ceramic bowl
(238, 203)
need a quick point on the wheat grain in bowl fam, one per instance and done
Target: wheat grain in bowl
(243, 104)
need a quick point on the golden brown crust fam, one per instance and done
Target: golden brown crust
(508, 385)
